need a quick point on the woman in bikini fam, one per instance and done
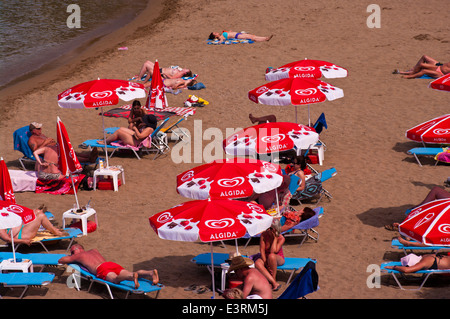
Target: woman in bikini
(26, 232)
(270, 254)
(429, 261)
(426, 66)
(230, 35)
(174, 84)
(136, 135)
(173, 72)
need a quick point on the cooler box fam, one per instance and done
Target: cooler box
(106, 184)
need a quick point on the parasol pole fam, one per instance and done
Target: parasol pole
(212, 273)
(104, 139)
(12, 244)
(74, 191)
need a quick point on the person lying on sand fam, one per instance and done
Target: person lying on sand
(24, 233)
(426, 66)
(106, 270)
(229, 35)
(175, 84)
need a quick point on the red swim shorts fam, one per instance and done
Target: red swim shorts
(107, 267)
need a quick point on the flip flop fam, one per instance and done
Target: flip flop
(191, 287)
(201, 290)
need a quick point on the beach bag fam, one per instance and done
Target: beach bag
(313, 186)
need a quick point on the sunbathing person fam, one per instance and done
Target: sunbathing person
(262, 119)
(427, 262)
(47, 169)
(134, 136)
(426, 66)
(38, 140)
(294, 217)
(230, 35)
(174, 84)
(270, 253)
(106, 270)
(26, 232)
(173, 72)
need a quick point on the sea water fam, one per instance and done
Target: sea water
(33, 32)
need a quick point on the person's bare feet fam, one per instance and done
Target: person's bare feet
(136, 280)
(268, 38)
(155, 277)
(252, 118)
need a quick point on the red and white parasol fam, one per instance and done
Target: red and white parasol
(295, 91)
(99, 93)
(157, 97)
(229, 178)
(310, 69)
(13, 215)
(6, 189)
(270, 137)
(210, 221)
(442, 83)
(429, 223)
(434, 131)
(67, 161)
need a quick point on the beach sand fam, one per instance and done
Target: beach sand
(376, 179)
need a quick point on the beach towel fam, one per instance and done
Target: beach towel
(443, 156)
(59, 187)
(231, 41)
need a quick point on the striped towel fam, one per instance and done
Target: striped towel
(178, 110)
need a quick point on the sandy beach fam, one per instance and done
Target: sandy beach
(376, 179)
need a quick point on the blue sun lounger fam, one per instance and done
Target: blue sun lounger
(430, 249)
(291, 264)
(425, 274)
(72, 233)
(145, 286)
(425, 151)
(25, 280)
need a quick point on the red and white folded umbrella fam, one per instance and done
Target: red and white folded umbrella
(270, 137)
(231, 178)
(429, 223)
(68, 162)
(157, 97)
(6, 189)
(442, 83)
(307, 69)
(434, 131)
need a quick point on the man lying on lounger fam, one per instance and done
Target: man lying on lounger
(106, 270)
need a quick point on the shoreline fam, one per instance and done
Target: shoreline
(85, 54)
(376, 181)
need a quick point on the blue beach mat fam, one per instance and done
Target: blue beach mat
(231, 41)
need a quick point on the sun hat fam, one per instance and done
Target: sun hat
(410, 260)
(239, 262)
(34, 125)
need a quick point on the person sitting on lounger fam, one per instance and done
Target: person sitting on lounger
(38, 140)
(270, 253)
(47, 169)
(106, 270)
(230, 35)
(24, 233)
(294, 217)
(136, 115)
(426, 66)
(135, 136)
(254, 282)
(427, 262)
